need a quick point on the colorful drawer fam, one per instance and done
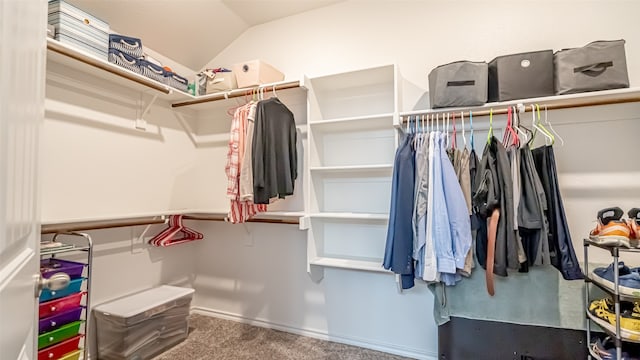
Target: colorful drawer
(71, 356)
(56, 321)
(51, 266)
(74, 286)
(63, 333)
(58, 306)
(59, 350)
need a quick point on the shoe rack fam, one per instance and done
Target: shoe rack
(615, 295)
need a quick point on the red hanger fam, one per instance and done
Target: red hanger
(167, 236)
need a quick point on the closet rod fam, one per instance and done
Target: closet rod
(98, 225)
(553, 106)
(52, 45)
(293, 221)
(236, 93)
(150, 220)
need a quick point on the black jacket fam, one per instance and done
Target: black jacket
(494, 189)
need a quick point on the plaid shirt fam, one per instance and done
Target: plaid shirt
(240, 211)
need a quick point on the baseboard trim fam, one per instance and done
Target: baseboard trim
(321, 335)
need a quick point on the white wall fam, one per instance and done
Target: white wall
(95, 164)
(419, 35)
(256, 273)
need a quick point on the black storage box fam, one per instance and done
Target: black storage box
(521, 76)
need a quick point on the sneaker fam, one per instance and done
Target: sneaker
(605, 349)
(611, 230)
(634, 226)
(628, 279)
(603, 313)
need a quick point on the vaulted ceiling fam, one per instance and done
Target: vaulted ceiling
(192, 32)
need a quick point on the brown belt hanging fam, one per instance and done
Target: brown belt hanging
(491, 249)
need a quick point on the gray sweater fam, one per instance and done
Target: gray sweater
(274, 153)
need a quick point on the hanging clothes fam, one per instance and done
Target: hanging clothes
(562, 254)
(398, 254)
(274, 152)
(461, 164)
(239, 210)
(246, 171)
(421, 197)
(494, 198)
(533, 226)
(457, 215)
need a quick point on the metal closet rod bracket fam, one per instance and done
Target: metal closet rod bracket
(141, 123)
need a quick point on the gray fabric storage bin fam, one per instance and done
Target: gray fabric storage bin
(460, 83)
(600, 65)
(521, 76)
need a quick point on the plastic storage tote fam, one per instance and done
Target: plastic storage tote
(51, 266)
(79, 28)
(74, 286)
(56, 321)
(57, 306)
(521, 76)
(125, 60)
(152, 71)
(126, 44)
(461, 83)
(600, 65)
(176, 81)
(255, 72)
(63, 333)
(143, 325)
(59, 350)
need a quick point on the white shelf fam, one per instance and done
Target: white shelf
(365, 265)
(352, 168)
(349, 216)
(359, 78)
(580, 99)
(354, 123)
(87, 63)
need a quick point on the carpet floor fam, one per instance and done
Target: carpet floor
(217, 339)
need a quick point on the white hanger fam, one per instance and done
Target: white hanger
(446, 129)
(464, 138)
(546, 121)
(274, 91)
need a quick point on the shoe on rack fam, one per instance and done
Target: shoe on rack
(603, 313)
(628, 279)
(611, 230)
(634, 226)
(605, 349)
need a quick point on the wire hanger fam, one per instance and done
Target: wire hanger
(526, 133)
(471, 126)
(537, 126)
(274, 92)
(546, 121)
(490, 133)
(464, 138)
(453, 142)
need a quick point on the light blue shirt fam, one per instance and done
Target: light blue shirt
(458, 214)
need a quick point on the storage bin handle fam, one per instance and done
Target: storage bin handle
(179, 79)
(461, 83)
(135, 45)
(593, 69)
(132, 62)
(159, 72)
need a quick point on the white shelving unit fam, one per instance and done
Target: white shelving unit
(352, 142)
